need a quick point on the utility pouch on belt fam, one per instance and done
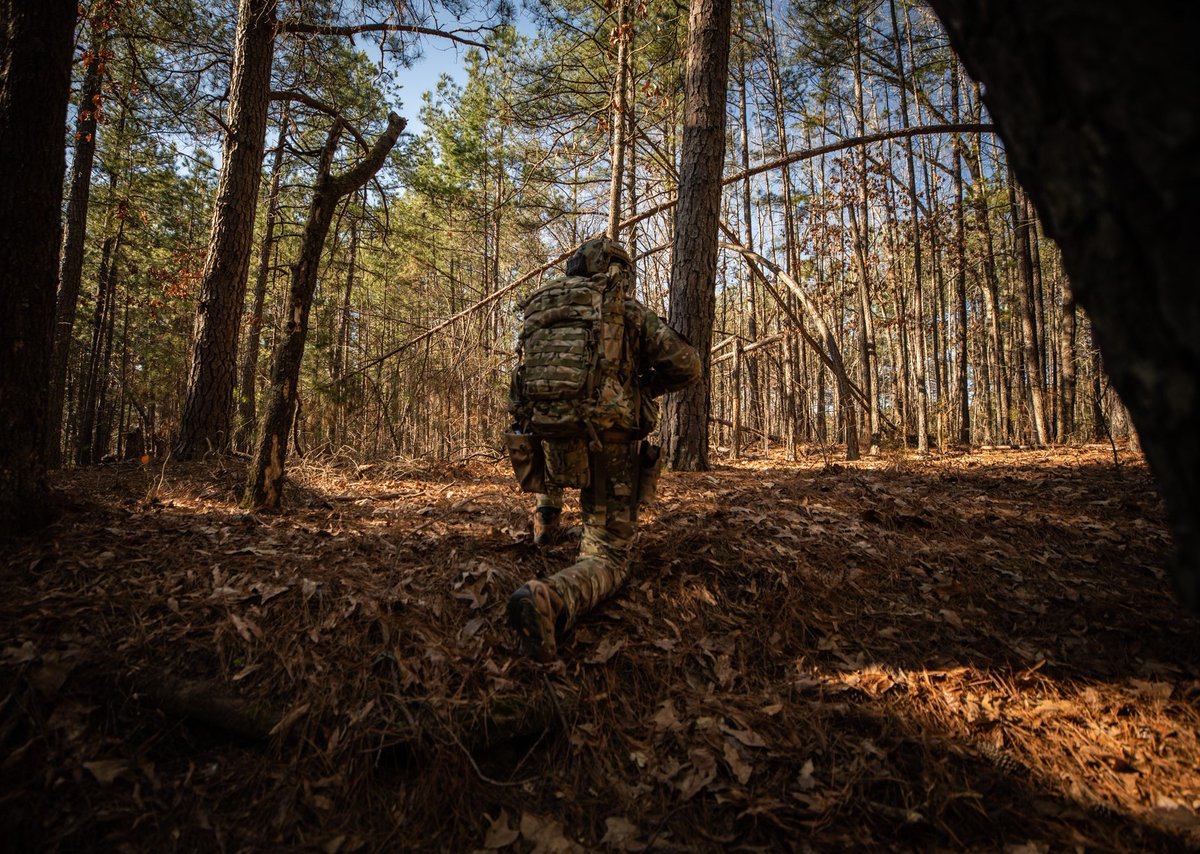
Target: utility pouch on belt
(567, 462)
(649, 468)
(528, 462)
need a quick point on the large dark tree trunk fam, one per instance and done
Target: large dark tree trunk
(1096, 102)
(208, 407)
(35, 83)
(264, 485)
(70, 268)
(694, 255)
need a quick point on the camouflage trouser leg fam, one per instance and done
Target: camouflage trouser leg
(609, 522)
(552, 497)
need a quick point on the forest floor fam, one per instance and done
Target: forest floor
(962, 652)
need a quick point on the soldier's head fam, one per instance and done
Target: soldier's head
(594, 256)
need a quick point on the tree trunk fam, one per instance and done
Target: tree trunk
(1101, 130)
(694, 254)
(35, 54)
(960, 278)
(103, 430)
(621, 34)
(1024, 286)
(247, 404)
(341, 342)
(70, 268)
(265, 479)
(1068, 370)
(756, 406)
(93, 378)
(207, 408)
(860, 223)
(918, 294)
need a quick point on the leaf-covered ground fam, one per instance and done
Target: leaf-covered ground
(962, 652)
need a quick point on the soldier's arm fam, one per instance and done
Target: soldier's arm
(669, 362)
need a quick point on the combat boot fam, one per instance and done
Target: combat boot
(539, 616)
(545, 525)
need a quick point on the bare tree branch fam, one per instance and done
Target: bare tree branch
(350, 181)
(806, 154)
(852, 142)
(321, 107)
(328, 30)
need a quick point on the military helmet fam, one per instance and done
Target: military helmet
(593, 256)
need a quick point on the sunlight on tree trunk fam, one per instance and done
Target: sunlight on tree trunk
(694, 254)
(208, 408)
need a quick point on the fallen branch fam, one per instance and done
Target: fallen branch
(205, 702)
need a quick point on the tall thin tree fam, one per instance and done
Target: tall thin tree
(694, 253)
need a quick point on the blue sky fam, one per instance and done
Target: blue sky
(439, 57)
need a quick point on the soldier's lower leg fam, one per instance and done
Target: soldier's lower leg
(547, 515)
(609, 524)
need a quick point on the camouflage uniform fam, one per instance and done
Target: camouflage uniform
(665, 362)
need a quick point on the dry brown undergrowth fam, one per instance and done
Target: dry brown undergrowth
(960, 652)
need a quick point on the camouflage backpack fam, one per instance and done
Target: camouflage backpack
(575, 378)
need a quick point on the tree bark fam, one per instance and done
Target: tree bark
(1068, 372)
(694, 254)
(1025, 303)
(622, 36)
(860, 222)
(748, 221)
(918, 295)
(70, 269)
(960, 278)
(1097, 108)
(207, 409)
(35, 55)
(265, 480)
(91, 380)
(247, 403)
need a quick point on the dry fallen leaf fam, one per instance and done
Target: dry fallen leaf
(1027, 848)
(621, 834)
(665, 718)
(741, 770)
(951, 617)
(500, 832)
(547, 836)
(703, 771)
(106, 770)
(746, 736)
(805, 780)
(606, 649)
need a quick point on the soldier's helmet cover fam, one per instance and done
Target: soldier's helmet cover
(593, 256)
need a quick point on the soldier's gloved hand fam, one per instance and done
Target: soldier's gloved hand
(651, 383)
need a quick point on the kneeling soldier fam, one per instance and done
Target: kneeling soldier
(581, 423)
